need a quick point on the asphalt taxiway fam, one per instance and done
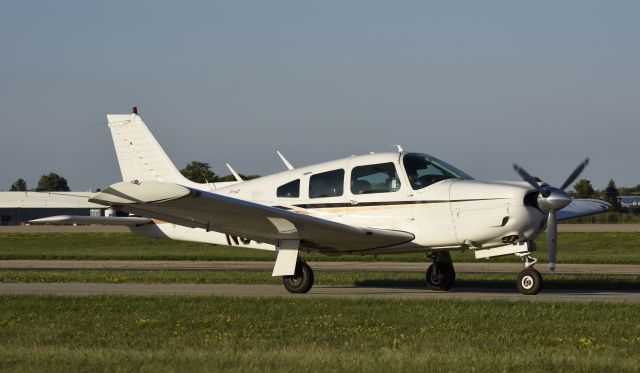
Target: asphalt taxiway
(347, 292)
(80, 289)
(360, 291)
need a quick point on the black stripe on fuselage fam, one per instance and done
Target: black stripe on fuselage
(388, 203)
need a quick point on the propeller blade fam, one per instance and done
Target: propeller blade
(552, 240)
(528, 178)
(575, 174)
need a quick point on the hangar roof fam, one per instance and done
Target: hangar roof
(47, 200)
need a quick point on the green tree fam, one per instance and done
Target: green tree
(625, 191)
(232, 178)
(199, 172)
(19, 186)
(611, 195)
(584, 189)
(52, 182)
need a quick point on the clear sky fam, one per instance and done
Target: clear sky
(481, 84)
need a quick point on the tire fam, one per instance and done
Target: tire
(443, 278)
(529, 282)
(301, 281)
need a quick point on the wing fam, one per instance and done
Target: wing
(582, 207)
(87, 220)
(199, 209)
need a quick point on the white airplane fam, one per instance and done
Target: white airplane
(385, 203)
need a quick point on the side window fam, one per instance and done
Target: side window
(375, 178)
(289, 190)
(326, 184)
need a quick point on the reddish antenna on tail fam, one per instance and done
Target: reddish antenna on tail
(134, 110)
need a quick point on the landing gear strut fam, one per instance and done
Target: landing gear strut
(302, 279)
(529, 280)
(441, 275)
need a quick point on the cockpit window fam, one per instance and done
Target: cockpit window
(375, 178)
(424, 170)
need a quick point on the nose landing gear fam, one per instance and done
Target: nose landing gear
(529, 280)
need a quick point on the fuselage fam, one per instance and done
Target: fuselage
(442, 207)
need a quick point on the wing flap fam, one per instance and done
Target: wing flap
(90, 220)
(199, 209)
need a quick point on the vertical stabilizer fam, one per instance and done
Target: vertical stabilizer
(139, 154)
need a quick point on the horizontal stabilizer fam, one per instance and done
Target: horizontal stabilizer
(88, 220)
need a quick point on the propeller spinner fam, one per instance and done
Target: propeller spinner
(550, 201)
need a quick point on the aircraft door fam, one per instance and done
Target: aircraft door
(377, 198)
(325, 195)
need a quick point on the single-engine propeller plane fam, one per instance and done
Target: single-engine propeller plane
(385, 203)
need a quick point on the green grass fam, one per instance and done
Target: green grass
(116, 246)
(188, 333)
(386, 279)
(610, 217)
(573, 248)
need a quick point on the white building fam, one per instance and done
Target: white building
(19, 207)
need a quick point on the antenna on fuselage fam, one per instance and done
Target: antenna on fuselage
(285, 161)
(201, 171)
(234, 173)
(400, 150)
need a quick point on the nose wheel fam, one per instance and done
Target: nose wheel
(529, 281)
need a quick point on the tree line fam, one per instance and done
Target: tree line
(198, 172)
(47, 183)
(584, 189)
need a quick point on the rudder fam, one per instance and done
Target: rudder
(140, 156)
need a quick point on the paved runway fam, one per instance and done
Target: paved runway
(351, 292)
(417, 293)
(474, 267)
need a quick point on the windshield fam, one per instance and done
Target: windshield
(424, 170)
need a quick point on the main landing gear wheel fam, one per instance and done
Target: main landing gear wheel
(440, 276)
(301, 281)
(529, 281)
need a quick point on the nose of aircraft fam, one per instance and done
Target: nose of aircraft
(556, 199)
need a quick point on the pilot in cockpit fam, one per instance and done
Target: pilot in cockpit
(411, 166)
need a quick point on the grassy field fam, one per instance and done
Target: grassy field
(387, 279)
(129, 333)
(192, 333)
(574, 248)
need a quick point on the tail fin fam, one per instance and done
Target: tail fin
(139, 154)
